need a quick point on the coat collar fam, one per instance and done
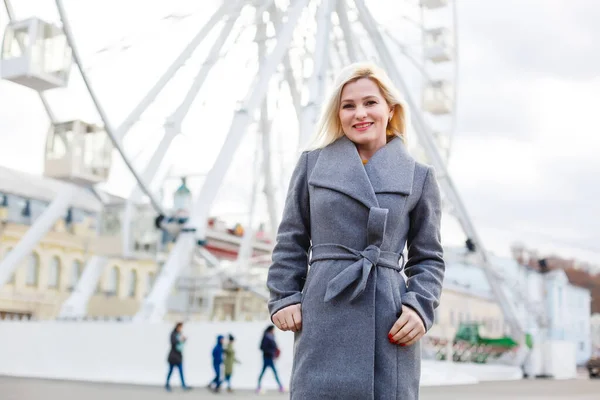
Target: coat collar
(391, 169)
(340, 168)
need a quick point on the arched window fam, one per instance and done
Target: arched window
(33, 270)
(113, 281)
(54, 273)
(132, 283)
(76, 271)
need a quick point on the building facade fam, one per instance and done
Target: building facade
(537, 300)
(45, 278)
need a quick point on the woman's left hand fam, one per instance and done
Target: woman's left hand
(408, 329)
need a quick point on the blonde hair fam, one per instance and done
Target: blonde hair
(329, 128)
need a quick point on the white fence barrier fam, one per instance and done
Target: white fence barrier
(136, 353)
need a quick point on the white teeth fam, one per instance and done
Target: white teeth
(363, 125)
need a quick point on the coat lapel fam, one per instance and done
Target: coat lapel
(391, 169)
(340, 168)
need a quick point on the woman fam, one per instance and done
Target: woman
(229, 361)
(355, 200)
(175, 358)
(270, 351)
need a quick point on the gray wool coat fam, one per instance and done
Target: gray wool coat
(338, 253)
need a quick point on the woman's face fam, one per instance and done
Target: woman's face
(364, 113)
(179, 328)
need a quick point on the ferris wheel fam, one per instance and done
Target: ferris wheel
(267, 64)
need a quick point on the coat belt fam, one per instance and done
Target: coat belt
(365, 260)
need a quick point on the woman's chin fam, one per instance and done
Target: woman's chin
(362, 137)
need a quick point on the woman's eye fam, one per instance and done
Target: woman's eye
(347, 106)
(371, 102)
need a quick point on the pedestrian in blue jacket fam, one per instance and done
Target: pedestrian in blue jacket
(217, 355)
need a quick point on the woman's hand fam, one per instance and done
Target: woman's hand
(408, 329)
(289, 318)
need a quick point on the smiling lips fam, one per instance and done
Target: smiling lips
(363, 126)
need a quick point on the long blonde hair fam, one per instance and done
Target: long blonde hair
(329, 128)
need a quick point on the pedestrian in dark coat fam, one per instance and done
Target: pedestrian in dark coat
(355, 199)
(175, 358)
(270, 351)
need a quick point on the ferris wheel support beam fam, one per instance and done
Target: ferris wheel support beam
(427, 141)
(107, 125)
(11, 17)
(137, 112)
(75, 307)
(173, 126)
(36, 232)
(288, 71)
(341, 12)
(335, 54)
(456, 75)
(293, 87)
(353, 45)
(245, 251)
(265, 134)
(316, 82)
(154, 306)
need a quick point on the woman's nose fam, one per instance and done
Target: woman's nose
(361, 113)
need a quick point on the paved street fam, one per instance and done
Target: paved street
(33, 389)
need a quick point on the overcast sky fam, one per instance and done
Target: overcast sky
(525, 154)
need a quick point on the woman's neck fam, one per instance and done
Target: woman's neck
(366, 151)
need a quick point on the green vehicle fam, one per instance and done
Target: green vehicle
(470, 346)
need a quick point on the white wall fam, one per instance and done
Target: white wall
(136, 353)
(561, 356)
(555, 358)
(130, 352)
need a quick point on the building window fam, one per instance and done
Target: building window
(452, 321)
(16, 204)
(581, 346)
(132, 283)
(54, 273)
(26, 210)
(33, 270)
(113, 281)
(76, 271)
(36, 208)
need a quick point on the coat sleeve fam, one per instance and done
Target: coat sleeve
(288, 270)
(425, 265)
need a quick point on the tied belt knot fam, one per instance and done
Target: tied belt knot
(365, 260)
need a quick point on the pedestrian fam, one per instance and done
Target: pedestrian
(175, 358)
(356, 198)
(229, 361)
(217, 356)
(270, 351)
